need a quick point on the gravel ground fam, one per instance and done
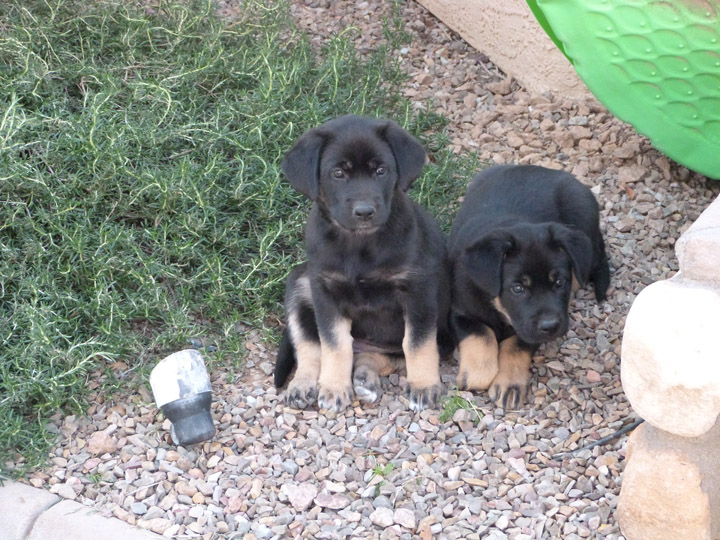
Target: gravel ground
(382, 471)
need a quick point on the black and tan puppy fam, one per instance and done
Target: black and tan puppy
(522, 237)
(375, 288)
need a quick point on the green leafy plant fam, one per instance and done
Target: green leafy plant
(382, 471)
(95, 478)
(454, 402)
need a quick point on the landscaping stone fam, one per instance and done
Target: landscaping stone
(671, 486)
(670, 373)
(698, 249)
(404, 517)
(71, 520)
(502, 30)
(101, 443)
(382, 517)
(671, 367)
(20, 505)
(301, 496)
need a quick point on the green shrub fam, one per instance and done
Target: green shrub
(141, 202)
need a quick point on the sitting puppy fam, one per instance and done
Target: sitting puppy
(522, 237)
(376, 286)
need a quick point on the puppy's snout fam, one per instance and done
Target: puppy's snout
(548, 325)
(364, 211)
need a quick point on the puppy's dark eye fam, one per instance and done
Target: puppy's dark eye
(517, 288)
(338, 173)
(381, 170)
(559, 283)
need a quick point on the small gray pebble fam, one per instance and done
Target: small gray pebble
(138, 508)
(261, 531)
(290, 467)
(242, 525)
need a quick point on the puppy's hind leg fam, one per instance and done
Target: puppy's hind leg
(368, 367)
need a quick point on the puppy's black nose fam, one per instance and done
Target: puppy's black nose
(548, 325)
(364, 211)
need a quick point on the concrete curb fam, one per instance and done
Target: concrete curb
(28, 513)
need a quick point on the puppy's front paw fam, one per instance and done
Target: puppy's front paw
(337, 399)
(510, 390)
(366, 383)
(471, 378)
(424, 398)
(301, 393)
(478, 361)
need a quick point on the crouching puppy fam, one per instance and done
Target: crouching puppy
(374, 293)
(522, 238)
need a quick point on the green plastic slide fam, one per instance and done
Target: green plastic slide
(653, 63)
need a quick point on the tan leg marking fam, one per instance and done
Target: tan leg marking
(478, 361)
(422, 361)
(336, 363)
(510, 387)
(302, 389)
(498, 305)
(423, 370)
(307, 352)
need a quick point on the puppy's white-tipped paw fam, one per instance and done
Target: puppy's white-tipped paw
(424, 398)
(335, 399)
(366, 383)
(301, 394)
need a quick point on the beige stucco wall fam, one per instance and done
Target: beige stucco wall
(507, 32)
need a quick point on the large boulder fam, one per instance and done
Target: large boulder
(698, 249)
(671, 356)
(670, 487)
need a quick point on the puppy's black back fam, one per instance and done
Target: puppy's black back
(505, 195)
(510, 193)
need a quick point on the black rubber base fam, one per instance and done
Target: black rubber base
(191, 419)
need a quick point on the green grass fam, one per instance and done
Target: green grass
(141, 202)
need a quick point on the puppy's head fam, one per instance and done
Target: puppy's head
(351, 166)
(528, 271)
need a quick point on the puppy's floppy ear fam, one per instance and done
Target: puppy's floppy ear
(409, 153)
(578, 247)
(301, 164)
(484, 260)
